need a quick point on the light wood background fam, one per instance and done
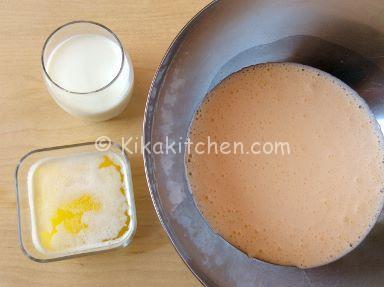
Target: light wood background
(30, 119)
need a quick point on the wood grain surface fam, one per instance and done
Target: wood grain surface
(30, 119)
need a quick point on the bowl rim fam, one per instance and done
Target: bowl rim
(147, 127)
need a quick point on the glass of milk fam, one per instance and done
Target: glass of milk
(86, 70)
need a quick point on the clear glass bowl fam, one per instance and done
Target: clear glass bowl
(24, 208)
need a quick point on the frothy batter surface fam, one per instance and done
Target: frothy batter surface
(304, 209)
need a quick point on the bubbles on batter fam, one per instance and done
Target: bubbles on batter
(296, 210)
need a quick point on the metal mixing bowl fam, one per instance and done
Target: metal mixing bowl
(342, 37)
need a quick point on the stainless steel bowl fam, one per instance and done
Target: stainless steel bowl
(342, 37)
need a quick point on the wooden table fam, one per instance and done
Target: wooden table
(30, 119)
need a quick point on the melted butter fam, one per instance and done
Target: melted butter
(70, 215)
(123, 230)
(67, 228)
(107, 162)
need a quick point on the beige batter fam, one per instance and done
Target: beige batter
(303, 209)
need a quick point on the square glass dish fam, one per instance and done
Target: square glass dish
(74, 200)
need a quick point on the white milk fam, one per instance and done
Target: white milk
(86, 63)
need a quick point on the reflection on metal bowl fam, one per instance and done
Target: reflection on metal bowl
(343, 38)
